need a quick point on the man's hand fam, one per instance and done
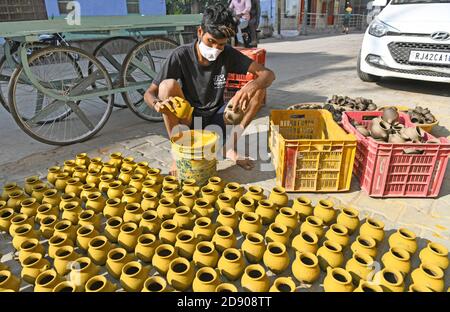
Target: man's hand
(242, 98)
(163, 106)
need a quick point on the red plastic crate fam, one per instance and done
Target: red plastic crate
(385, 170)
(256, 54)
(238, 81)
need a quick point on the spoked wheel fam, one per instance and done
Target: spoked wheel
(111, 53)
(54, 69)
(141, 65)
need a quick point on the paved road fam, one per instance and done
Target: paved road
(307, 69)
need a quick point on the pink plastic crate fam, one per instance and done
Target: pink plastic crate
(385, 170)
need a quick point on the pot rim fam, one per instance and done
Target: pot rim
(64, 248)
(166, 201)
(396, 273)
(114, 219)
(226, 286)
(135, 264)
(204, 219)
(209, 270)
(65, 284)
(286, 281)
(117, 250)
(281, 226)
(439, 273)
(350, 212)
(437, 249)
(215, 180)
(206, 244)
(314, 221)
(369, 261)
(276, 245)
(372, 243)
(186, 210)
(187, 194)
(180, 260)
(49, 272)
(207, 190)
(225, 228)
(255, 235)
(255, 189)
(342, 272)
(233, 186)
(376, 224)
(130, 224)
(185, 232)
(10, 210)
(229, 209)
(157, 280)
(336, 248)
(279, 190)
(98, 238)
(53, 217)
(172, 222)
(36, 255)
(312, 235)
(234, 251)
(370, 285)
(308, 255)
(291, 211)
(343, 230)
(150, 195)
(133, 207)
(407, 234)
(96, 278)
(303, 200)
(405, 256)
(255, 267)
(165, 247)
(254, 215)
(251, 201)
(90, 227)
(326, 203)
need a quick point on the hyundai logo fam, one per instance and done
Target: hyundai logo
(440, 35)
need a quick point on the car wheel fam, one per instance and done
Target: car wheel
(365, 76)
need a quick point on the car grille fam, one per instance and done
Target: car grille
(400, 51)
(429, 73)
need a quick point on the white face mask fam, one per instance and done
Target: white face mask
(208, 53)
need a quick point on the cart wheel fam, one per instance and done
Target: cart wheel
(111, 53)
(54, 68)
(142, 64)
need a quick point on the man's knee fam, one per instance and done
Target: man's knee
(169, 87)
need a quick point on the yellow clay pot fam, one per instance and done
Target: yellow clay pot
(224, 201)
(150, 222)
(209, 194)
(146, 246)
(84, 235)
(116, 159)
(99, 283)
(305, 267)
(149, 201)
(429, 275)
(96, 202)
(109, 168)
(95, 163)
(283, 284)
(190, 185)
(303, 206)
(366, 245)
(28, 247)
(82, 159)
(47, 226)
(253, 247)
(29, 207)
(67, 198)
(8, 188)
(131, 196)
(250, 222)
(52, 172)
(419, 288)
(112, 228)
(436, 254)
(52, 197)
(73, 186)
(116, 260)
(19, 220)
(187, 198)
(256, 193)
(348, 217)
(325, 211)
(278, 232)
(46, 210)
(47, 280)
(66, 286)
(255, 279)
(226, 287)
(86, 190)
(9, 281)
(99, 247)
(224, 238)
(38, 192)
(170, 181)
(151, 186)
(93, 177)
(373, 228)
(66, 227)
(125, 175)
(31, 182)
(15, 199)
(267, 211)
(168, 232)
(114, 208)
(81, 173)
(390, 280)
(128, 162)
(155, 175)
(217, 184)
(204, 228)
(306, 242)
(164, 254)
(184, 217)
(231, 264)
(404, 239)
(279, 197)
(6, 214)
(166, 208)
(57, 241)
(71, 210)
(234, 190)
(206, 280)
(338, 234)
(365, 286)
(205, 255)
(133, 213)
(181, 274)
(105, 181)
(128, 236)
(21, 234)
(360, 267)
(186, 243)
(313, 224)
(32, 266)
(88, 217)
(330, 255)
(338, 280)
(155, 284)
(288, 217)
(203, 208)
(63, 257)
(398, 259)
(81, 270)
(115, 189)
(276, 258)
(228, 217)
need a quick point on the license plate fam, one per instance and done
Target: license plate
(429, 57)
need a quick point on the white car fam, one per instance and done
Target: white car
(408, 39)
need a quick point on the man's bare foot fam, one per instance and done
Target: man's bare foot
(173, 169)
(243, 162)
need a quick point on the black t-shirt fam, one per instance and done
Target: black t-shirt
(203, 86)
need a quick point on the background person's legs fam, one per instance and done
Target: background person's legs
(253, 26)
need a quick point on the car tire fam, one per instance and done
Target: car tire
(365, 76)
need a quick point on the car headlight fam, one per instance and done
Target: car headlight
(379, 29)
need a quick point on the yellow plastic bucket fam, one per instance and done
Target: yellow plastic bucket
(194, 152)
